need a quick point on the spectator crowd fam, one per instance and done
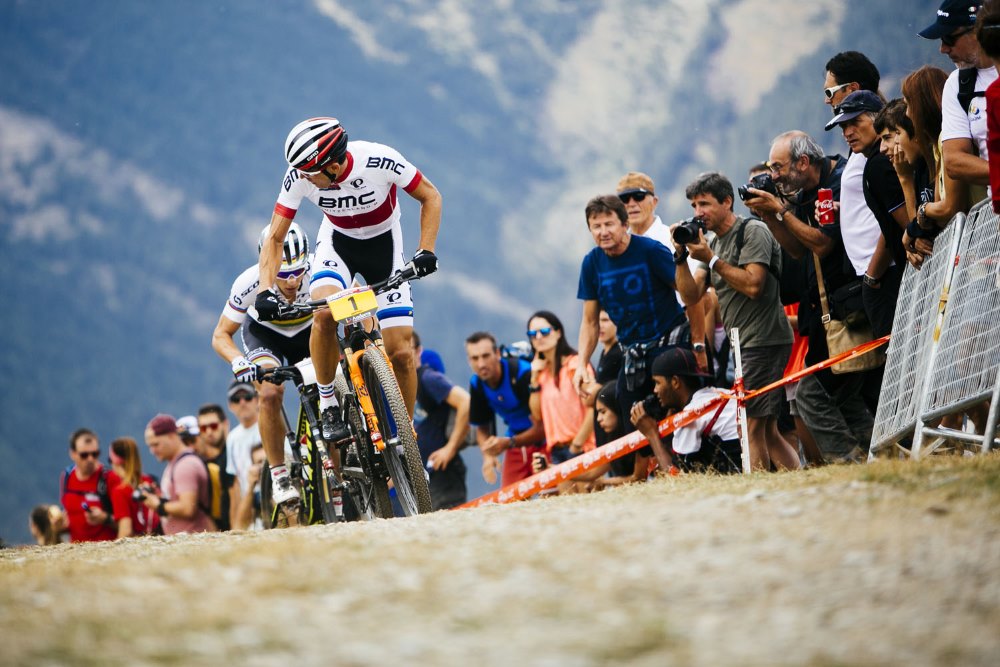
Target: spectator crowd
(821, 255)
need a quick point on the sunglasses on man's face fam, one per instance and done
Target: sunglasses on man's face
(239, 398)
(636, 195)
(214, 426)
(89, 455)
(952, 39)
(291, 275)
(830, 92)
(544, 331)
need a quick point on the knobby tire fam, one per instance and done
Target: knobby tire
(376, 488)
(406, 468)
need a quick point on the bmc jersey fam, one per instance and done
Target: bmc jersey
(362, 203)
(241, 304)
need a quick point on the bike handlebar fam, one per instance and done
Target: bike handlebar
(278, 374)
(405, 274)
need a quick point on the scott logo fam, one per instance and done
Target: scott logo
(385, 163)
(347, 201)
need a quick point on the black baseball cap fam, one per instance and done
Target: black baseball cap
(952, 15)
(677, 361)
(854, 105)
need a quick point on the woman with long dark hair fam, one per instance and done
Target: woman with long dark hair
(568, 423)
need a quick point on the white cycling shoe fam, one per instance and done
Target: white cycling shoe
(285, 492)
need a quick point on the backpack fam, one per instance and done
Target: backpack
(102, 487)
(967, 87)
(214, 506)
(787, 274)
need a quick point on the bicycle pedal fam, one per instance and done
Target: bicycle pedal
(289, 511)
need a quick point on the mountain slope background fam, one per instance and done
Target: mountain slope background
(140, 154)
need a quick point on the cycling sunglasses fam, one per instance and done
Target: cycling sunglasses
(830, 92)
(635, 195)
(544, 331)
(291, 275)
(952, 39)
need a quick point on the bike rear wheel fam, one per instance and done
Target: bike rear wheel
(401, 454)
(369, 490)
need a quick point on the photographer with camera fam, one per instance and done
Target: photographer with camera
(744, 266)
(711, 442)
(130, 514)
(829, 404)
(183, 507)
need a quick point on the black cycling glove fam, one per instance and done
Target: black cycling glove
(268, 306)
(425, 263)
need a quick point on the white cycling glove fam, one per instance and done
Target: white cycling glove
(244, 370)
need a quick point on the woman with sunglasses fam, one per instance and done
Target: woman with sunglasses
(269, 342)
(568, 423)
(132, 517)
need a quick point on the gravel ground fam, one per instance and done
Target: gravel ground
(887, 564)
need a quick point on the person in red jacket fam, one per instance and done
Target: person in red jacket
(988, 35)
(85, 491)
(131, 516)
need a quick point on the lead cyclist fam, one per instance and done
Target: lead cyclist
(355, 185)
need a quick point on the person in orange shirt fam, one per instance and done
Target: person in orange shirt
(568, 423)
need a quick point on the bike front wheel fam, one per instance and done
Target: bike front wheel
(401, 454)
(367, 485)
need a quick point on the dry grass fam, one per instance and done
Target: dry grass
(885, 564)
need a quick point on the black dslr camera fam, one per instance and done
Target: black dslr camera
(759, 182)
(686, 231)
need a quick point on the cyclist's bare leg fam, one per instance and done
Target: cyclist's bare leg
(270, 422)
(399, 347)
(324, 347)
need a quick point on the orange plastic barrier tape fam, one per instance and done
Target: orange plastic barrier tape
(633, 441)
(605, 454)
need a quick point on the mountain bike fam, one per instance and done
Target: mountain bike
(322, 484)
(382, 448)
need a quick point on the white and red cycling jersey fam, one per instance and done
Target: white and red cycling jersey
(363, 202)
(241, 304)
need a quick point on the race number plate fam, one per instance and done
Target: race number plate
(353, 305)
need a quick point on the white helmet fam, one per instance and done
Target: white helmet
(295, 254)
(314, 143)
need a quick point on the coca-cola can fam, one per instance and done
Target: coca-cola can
(825, 208)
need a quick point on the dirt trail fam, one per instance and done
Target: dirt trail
(893, 563)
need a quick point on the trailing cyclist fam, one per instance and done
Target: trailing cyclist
(268, 342)
(354, 184)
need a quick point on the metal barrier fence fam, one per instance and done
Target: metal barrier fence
(943, 360)
(922, 295)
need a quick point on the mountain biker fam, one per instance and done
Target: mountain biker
(354, 184)
(266, 343)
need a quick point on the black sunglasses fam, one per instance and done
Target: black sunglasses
(635, 195)
(89, 455)
(952, 39)
(237, 398)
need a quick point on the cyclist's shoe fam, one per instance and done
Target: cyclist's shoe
(334, 429)
(284, 492)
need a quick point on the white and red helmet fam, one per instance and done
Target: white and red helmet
(315, 142)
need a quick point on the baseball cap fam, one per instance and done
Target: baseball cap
(677, 361)
(188, 425)
(952, 14)
(432, 359)
(635, 181)
(854, 105)
(237, 386)
(162, 424)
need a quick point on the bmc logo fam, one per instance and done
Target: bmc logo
(293, 175)
(386, 163)
(347, 201)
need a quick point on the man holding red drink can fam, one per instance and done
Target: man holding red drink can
(805, 220)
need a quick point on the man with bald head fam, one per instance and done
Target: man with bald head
(799, 168)
(185, 480)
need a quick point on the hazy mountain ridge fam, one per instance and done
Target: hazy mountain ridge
(140, 153)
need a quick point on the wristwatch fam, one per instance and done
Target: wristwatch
(698, 347)
(871, 282)
(780, 215)
(161, 509)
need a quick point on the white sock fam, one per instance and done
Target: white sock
(327, 397)
(277, 472)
